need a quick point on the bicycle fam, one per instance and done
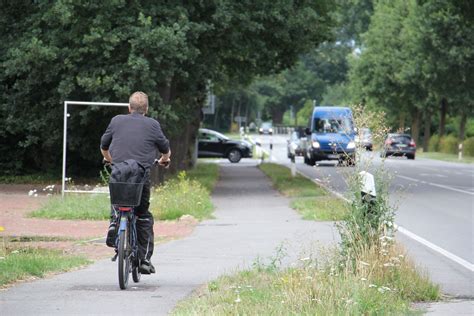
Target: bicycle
(124, 197)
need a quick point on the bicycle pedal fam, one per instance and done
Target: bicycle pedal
(114, 258)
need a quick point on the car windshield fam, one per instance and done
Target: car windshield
(211, 135)
(402, 139)
(266, 125)
(295, 136)
(332, 125)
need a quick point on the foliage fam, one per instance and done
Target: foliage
(206, 174)
(323, 208)
(415, 54)
(181, 196)
(468, 148)
(448, 144)
(102, 51)
(75, 206)
(17, 264)
(382, 285)
(297, 186)
(434, 143)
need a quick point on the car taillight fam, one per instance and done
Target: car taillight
(412, 143)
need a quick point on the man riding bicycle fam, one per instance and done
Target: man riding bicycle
(135, 136)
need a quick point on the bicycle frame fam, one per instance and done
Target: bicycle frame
(127, 217)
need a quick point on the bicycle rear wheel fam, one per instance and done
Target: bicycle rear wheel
(124, 258)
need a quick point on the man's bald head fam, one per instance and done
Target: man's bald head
(138, 102)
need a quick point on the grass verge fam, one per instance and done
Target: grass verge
(24, 263)
(188, 194)
(310, 200)
(206, 174)
(445, 157)
(380, 285)
(79, 206)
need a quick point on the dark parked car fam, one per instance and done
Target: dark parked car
(212, 144)
(294, 143)
(266, 128)
(399, 145)
(365, 139)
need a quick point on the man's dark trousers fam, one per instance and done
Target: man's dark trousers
(145, 225)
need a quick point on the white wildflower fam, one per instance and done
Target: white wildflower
(31, 192)
(238, 300)
(372, 285)
(363, 279)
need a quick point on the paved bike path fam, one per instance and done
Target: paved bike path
(251, 221)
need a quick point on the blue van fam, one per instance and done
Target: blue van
(330, 136)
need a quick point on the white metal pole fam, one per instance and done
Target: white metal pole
(63, 181)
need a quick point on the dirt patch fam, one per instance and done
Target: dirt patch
(80, 236)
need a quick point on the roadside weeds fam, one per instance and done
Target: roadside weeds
(377, 278)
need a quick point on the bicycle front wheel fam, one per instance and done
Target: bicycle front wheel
(123, 258)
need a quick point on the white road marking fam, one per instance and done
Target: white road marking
(435, 185)
(432, 175)
(438, 249)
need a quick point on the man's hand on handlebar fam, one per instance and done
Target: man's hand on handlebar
(164, 161)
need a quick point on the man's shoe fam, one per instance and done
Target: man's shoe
(146, 267)
(111, 235)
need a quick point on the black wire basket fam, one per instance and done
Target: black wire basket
(125, 194)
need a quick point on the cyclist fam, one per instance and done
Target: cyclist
(135, 136)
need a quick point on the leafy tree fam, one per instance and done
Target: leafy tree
(102, 51)
(415, 55)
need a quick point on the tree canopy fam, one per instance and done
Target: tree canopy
(103, 51)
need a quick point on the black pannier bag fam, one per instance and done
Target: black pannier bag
(126, 183)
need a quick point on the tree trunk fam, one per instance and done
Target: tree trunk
(442, 117)
(462, 127)
(247, 114)
(232, 114)
(182, 145)
(415, 125)
(427, 133)
(216, 115)
(277, 116)
(401, 122)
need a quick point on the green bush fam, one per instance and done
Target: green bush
(448, 144)
(468, 145)
(433, 144)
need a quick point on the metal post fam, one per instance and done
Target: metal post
(293, 166)
(63, 182)
(460, 151)
(271, 149)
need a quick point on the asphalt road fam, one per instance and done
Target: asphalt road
(435, 210)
